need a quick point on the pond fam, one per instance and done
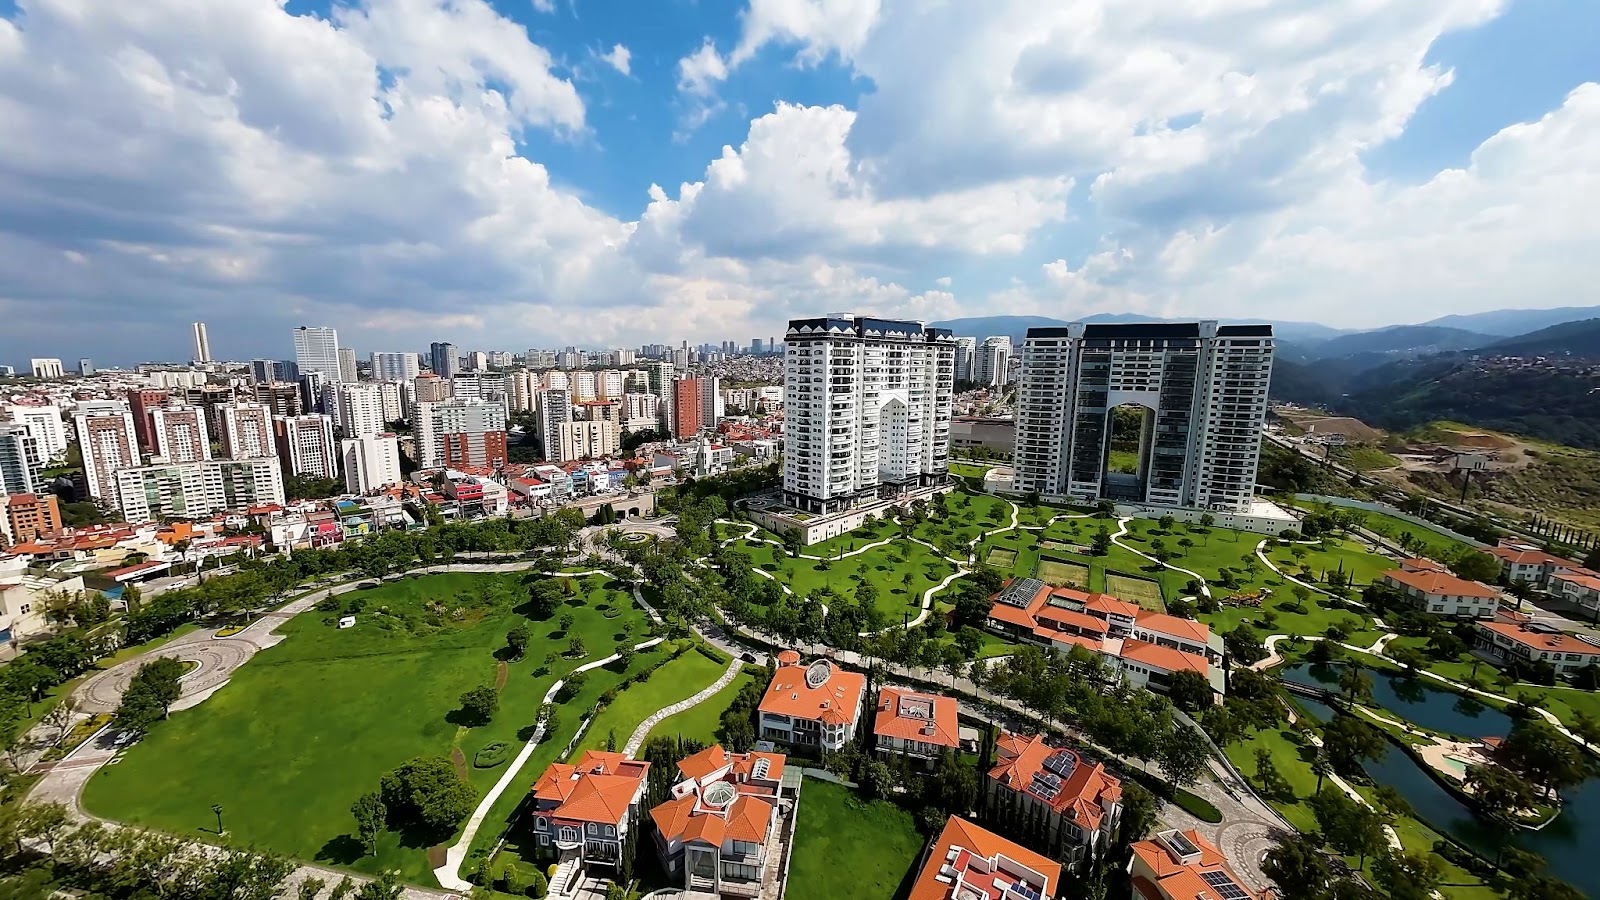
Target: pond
(1562, 843)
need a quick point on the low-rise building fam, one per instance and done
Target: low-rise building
(28, 516)
(1525, 562)
(719, 831)
(921, 726)
(815, 706)
(1075, 805)
(1144, 647)
(581, 813)
(1183, 865)
(1578, 586)
(1508, 642)
(1443, 594)
(967, 862)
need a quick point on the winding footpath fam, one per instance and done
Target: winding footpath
(637, 739)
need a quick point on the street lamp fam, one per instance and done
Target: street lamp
(217, 808)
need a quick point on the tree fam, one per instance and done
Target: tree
(1244, 645)
(517, 640)
(575, 647)
(310, 888)
(1475, 565)
(1138, 813)
(343, 889)
(425, 790)
(1100, 544)
(1355, 684)
(1297, 866)
(1190, 691)
(385, 887)
(1406, 876)
(1352, 828)
(544, 597)
(1501, 796)
(1348, 741)
(369, 813)
(1301, 595)
(1540, 754)
(1273, 784)
(1411, 658)
(1183, 755)
(566, 622)
(480, 704)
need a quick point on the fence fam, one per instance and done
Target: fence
(1387, 510)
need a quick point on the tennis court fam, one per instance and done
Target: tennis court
(1059, 573)
(1003, 559)
(1142, 591)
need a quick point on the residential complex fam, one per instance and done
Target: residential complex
(815, 706)
(720, 833)
(1143, 647)
(18, 472)
(867, 410)
(991, 364)
(202, 343)
(1440, 593)
(1074, 805)
(1508, 642)
(27, 515)
(443, 360)
(305, 445)
(45, 426)
(967, 862)
(370, 462)
(461, 433)
(1183, 865)
(108, 441)
(179, 433)
(915, 725)
(394, 366)
(1166, 414)
(586, 440)
(247, 431)
(195, 489)
(582, 812)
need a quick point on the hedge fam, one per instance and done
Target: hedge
(491, 754)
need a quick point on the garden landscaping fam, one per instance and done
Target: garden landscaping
(312, 723)
(848, 848)
(699, 723)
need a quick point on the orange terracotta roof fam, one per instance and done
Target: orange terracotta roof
(707, 829)
(1441, 583)
(1082, 796)
(1163, 657)
(1422, 564)
(916, 717)
(1078, 620)
(789, 658)
(1539, 641)
(672, 817)
(748, 819)
(1188, 629)
(1184, 881)
(961, 835)
(836, 701)
(598, 789)
(704, 763)
(1111, 606)
(744, 765)
(1583, 578)
(1527, 556)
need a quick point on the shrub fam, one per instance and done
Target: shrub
(570, 687)
(492, 754)
(712, 653)
(1197, 806)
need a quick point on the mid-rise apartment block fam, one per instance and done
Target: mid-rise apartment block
(992, 362)
(431, 388)
(247, 431)
(1159, 414)
(141, 403)
(45, 425)
(461, 433)
(348, 370)
(589, 439)
(19, 471)
(305, 445)
(867, 410)
(370, 462)
(395, 366)
(28, 515)
(713, 407)
(443, 359)
(180, 434)
(282, 398)
(47, 367)
(686, 408)
(357, 408)
(109, 443)
(197, 489)
(966, 359)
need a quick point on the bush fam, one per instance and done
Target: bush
(713, 654)
(492, 754)
(329, 604)
(570, 687)
(1197, 806)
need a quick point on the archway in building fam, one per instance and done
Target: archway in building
(1125, 467)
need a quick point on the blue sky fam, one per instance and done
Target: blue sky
(494, 175)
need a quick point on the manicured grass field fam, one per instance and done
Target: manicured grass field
(1002, 558)
(1057, 572)
(700, 723)
(846, 848)
(1429, 543)
(677, 680)
(1362, 565)
(1142, 591)
(886, 567)
(310, 724)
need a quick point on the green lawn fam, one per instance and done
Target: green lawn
(313, 722)
(679, 679)
(700, 722)
(846, 848)
(1429, 542)
(1359, 563)
(886, 567)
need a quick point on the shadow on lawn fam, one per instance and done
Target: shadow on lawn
(343, 850)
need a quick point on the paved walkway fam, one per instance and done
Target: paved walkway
(636, 740)
(449, 874)
(1122, 530)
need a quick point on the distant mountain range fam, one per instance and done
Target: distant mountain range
(1404, 375)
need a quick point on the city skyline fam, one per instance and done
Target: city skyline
(636, 174)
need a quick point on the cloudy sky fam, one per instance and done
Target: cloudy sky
(543, 172)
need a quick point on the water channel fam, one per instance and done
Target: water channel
(1561, 843)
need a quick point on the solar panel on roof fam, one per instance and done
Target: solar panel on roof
(1020, 592)
(1225, 886)
(1045, 785)
(1062, 763)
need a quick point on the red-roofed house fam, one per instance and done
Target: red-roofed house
(721, 830)
(1507, 642)
(812, 706)
(1580, 587)
(968, 862)
(1078, 804)
(1528, 563)
(1144, 647)
(583, 810)
(918, 725)
(1443, 594)
(1182, 865)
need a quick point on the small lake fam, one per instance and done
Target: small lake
(1562, 843)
